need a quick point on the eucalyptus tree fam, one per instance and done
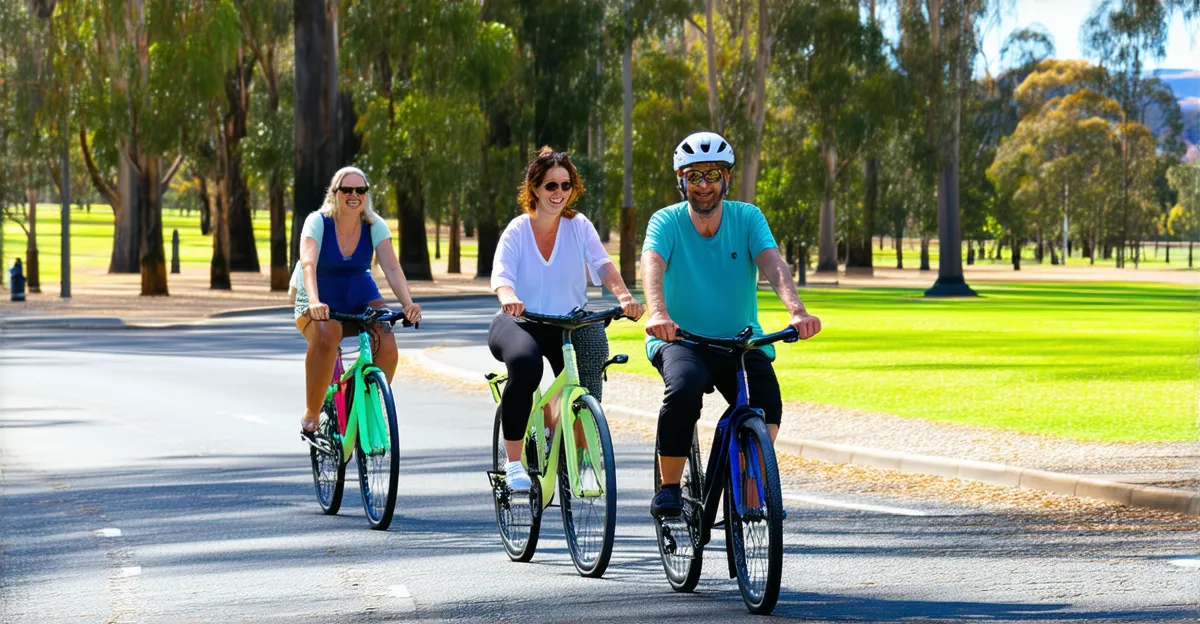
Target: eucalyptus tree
(150, 68)
(266, 31)
(1183, 221)
(830, 66)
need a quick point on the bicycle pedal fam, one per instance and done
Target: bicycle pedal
(320, 443)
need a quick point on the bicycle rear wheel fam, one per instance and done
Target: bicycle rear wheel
(679, 539)
(379, 468)
(590, 520)
(756, 534)
(329, 471)
(518, 515)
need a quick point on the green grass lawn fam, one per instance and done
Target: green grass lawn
(886, 257)
(1093, 361)
(91, 239)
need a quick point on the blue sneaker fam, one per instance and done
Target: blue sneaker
(668, 502)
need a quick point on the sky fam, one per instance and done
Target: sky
(1063, 19)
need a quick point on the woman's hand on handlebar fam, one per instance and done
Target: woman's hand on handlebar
(412, 312)
(318, 311)
(510, 304)
(632, 309)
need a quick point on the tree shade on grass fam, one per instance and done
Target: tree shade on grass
(1092, 361)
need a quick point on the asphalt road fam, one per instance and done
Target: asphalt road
(157, 476)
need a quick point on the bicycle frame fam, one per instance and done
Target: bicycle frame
(364, 418)
(546, 469)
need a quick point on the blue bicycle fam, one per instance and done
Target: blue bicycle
(741, 470)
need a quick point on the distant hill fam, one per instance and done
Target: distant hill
(1185, 83)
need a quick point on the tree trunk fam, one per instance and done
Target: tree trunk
(243, 253)
(758, 107)
(801, 264)
(313, 128)
(468, 227)
(410, 217)
(826, 243)
(1016, 252)
(1053, 253)
(628, 220)
(437, 238)
(218, 276)
(899, 225)
(206, 208)
(1190, 243)
(126, 220)
(1168, 246)
(33, 282)
(280, 276)
(152, 256)
(1039, 252)
(710, 55)
(970, 253)
(924, 252)
(454, 262)
(859, 256)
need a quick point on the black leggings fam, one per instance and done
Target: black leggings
(689, 372)
(521, 346)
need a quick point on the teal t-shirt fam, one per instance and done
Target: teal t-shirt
(710, 284)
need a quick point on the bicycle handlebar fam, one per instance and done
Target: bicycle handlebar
(743, 341)
(372, 316)
(576, 318)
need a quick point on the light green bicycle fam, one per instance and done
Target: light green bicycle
(583, 468)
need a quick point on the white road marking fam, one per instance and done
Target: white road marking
(1192, 562)
(107, 532)
(130, 571)
(398, 591)
(258, 420)
(837, 504)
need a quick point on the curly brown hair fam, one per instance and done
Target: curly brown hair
(546, 160)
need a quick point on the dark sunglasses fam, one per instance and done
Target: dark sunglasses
(361, 190)
(553, 186)
(711, 176)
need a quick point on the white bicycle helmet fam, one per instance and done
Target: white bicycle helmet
(703, 147)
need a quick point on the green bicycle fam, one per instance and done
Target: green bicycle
(584, 469)
(358, 415)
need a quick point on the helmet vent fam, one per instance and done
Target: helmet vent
(688, 148)
(723, 146)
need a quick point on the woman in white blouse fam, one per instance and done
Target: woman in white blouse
(542, 264)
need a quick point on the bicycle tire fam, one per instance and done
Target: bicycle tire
(329, 471)
(590, 552)
(520, 544)
(379, 473)
(683, 571)
(758, 572)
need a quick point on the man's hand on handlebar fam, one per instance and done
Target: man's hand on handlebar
(661, 326)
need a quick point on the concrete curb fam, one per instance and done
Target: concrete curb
(1166, 499)
(63, 322)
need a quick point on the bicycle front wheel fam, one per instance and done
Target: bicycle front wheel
(518, 516)
(590, 519)
(379, 467)
(679, 539)
(756, 532)
(329, 471)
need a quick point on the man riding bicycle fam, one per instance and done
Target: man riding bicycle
(700, 265)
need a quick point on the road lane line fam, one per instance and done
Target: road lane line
(107, 532)
(1190, 562)
(837, 504)
(129, 571)
(399, 591)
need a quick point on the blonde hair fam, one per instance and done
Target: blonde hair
(330, 206)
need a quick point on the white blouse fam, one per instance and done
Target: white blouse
(554, 286)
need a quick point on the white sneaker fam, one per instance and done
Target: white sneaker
(516, 477)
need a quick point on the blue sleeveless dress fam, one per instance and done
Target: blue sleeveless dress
(345, 283)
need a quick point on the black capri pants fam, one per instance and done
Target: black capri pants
(521, 345)
(689, 372)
